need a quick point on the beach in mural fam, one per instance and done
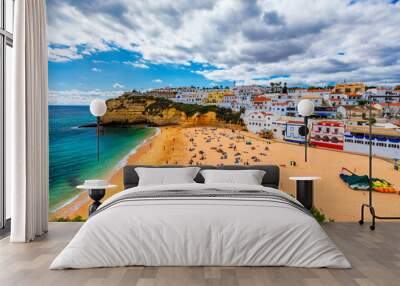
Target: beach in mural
(165, 127)
(217, 145)
(72, 151)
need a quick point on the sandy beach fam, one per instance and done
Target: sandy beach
(212, 146)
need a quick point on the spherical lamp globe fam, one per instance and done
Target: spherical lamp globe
(305, 107)
(98, 107)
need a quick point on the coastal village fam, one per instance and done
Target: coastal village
(340, 120)
(250, 125)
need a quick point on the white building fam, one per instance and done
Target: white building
(258, 121)
(315, 98)
(242, 102)
(292, 133)
(333, 99)
(278, 127)
(261, 103)
(352, 99)
(298, 92)
(228, 101)
(381, 91)
(244, 96)
(190, 97)
(249, 90)
(327, 134)
(285, 108)
(385, 141)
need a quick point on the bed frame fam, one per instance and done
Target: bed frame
(271, 178)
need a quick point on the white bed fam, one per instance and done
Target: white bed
(202, 231)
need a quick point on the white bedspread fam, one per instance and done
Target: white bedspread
(200, 231)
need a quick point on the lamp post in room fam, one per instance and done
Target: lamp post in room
(305, 109)
(98, 108)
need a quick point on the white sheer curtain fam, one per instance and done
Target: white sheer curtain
(27, 124)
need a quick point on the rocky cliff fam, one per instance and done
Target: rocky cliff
(134, 108)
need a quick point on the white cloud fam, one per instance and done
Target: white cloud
(79, 97)
(63, 54)
(96, 70)
(137, 64)
(118, 85)
(245, 39)
(157, 80)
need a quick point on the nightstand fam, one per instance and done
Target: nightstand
(96, 191)
(304, 190)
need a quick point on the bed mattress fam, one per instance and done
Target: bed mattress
(201, 225)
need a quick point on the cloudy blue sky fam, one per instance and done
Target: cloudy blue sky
(99, 48)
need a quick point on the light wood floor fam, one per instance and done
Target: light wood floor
(375, 257)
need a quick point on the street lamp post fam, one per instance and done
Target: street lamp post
(305, 109)
(98, 108)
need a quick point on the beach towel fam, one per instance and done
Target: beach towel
(356, 182)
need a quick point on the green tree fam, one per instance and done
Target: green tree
(372, 120)
(362, 102)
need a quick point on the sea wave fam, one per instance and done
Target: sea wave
(65, 203)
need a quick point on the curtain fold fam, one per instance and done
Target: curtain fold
(27, 146)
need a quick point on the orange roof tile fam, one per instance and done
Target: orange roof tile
(330, 123)
(260, 99)
(391, 104)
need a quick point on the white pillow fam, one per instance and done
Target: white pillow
(248, 177)
(166, 176)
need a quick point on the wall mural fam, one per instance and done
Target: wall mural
(183, 85)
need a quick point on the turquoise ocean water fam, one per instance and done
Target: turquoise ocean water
(72, 150)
